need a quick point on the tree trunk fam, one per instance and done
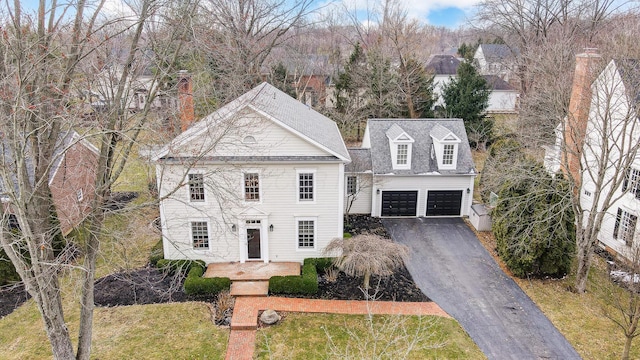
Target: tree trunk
(627, 348)
(582, 273)
(49, 304)
(365, 283)
(87, 305)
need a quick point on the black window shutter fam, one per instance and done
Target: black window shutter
(615, 228)
(632, 229)
(625, 182)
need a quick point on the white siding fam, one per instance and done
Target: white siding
(423, 184)
(228, 139)
(361, 201)
(225, 207)
(622, 136)
(502, 101)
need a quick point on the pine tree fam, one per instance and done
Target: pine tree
(280, 79)
(467, 97)
(417, 87)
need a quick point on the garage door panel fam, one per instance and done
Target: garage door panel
(399, 203)
(444, 202)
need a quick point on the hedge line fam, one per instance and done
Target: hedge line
(195, 284)
(307, 283)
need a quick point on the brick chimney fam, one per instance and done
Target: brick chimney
(185, 100)
(579, 104)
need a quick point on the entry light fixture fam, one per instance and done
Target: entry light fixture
(468, 190)
(378, 191)
(271, 227)
(233, 227)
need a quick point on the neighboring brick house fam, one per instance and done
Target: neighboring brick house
(71, 180)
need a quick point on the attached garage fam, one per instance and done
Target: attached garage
(399, 203)
(444, 202)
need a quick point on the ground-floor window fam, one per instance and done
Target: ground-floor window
(200, 235)
(625, 227)
(306, 233)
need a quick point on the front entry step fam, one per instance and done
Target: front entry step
(249, 288)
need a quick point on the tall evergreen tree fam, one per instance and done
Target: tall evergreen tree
(381, 92)
(467, 97)
(417, 86)
(279, 78)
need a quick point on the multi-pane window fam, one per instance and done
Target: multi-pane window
(305, 186)
(79, 195)
(625, 227)
(196, 187)
(306, 233)
(632, 182)
(200, 234)
(251, 187)
(352, 185)
(447, 155)
(403, 154)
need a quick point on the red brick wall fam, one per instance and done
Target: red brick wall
(75, 172)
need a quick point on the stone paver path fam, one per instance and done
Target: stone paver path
(245, 315)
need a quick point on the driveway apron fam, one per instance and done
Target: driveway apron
(450, 266)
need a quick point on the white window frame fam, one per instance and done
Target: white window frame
(315, 233)
(395, 154)
(244, 186)
(191, 239)
(314, 187)
(402, 154)
(622, 229)
(352, 188)
(204, 191)
(447, 158)
(632, 182)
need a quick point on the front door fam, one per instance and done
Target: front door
(253, 244)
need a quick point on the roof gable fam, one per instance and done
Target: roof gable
(278, 107)
(629, 70)
(443, 65)
(396, 133)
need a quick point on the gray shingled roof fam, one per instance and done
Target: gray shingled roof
(630, 73)
(419, 130)
(496, 52)
(360, 160)
(443, 65)
(267, 99)
(496, 83)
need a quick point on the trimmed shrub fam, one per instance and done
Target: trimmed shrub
(197, 285)
(346, 235)
(174, 266)
(323, 263)
(305, 284)
(157, 253)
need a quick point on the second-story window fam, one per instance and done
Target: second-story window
(196, 187)
(305, 187)
(251, 187)
(403, 154)
(447, 155)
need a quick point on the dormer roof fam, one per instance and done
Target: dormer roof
(420, 130)
(396, 133)
(442, 134)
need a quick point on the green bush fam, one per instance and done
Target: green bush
(346, 235)
(7, 271)
(323, 263)
(157, 253)
(197, 285)
(174, 266)
(307, 283)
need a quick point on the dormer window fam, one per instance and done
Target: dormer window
(400, 146)
(403, 153)
(445, 147)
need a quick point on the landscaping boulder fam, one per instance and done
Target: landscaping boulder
(269, 317)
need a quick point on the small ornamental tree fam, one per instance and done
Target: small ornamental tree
(366, 255)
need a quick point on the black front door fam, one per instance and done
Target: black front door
(253, 243)
(399, 203)
(444, 203)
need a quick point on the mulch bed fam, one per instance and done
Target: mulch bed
(11, 297)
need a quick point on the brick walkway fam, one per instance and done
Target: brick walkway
(245, 315)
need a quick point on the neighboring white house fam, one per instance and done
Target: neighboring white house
(495, 59)
(261, 179)
(418, 167)
(613, 138)
(502, 99)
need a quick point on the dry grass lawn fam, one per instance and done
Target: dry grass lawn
(306, 336)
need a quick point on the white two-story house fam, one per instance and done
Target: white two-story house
(260, 179)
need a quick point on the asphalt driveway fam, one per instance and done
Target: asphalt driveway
(451, 267)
